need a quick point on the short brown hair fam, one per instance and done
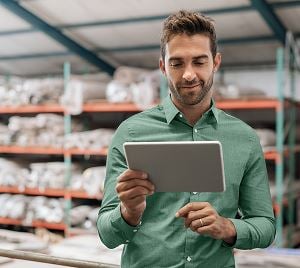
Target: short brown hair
(190, 23)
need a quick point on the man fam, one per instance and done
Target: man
(187, 229)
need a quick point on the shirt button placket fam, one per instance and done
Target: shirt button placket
(195, 132)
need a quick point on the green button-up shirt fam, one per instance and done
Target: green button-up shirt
(161, 240)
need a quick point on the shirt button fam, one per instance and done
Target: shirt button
(135, 230)
(127, 241)
(196, 130)
(195, 192)
(188, 258)
(180, 115)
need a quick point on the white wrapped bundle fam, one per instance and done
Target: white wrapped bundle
(45, 209)
(48, 175)
(12, 173)
(17, 206)
(42, 130)
(38, 91)
(134, 85)
(94, 139)
(129, 75)
(79, 214)
(3, 199)
(13, 206)
(5, 135)
(79, 91)
(93, 215)
(90, 181)
(18, 123)
(267, 137)
(94, 179)
(116, 92)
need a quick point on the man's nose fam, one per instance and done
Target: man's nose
(189, 74)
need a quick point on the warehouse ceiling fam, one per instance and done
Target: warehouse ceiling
(38, 36)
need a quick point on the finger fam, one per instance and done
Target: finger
(126, 185)
(134, 192)
(191, 207)
(133, 204)
(200, 223)
(129, 174)
(199, 214)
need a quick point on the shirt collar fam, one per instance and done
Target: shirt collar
(171, 110)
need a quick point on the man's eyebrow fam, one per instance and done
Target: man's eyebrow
(175, 58)
(200, 57)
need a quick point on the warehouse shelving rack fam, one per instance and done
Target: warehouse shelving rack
(277, 155)
(273, 155)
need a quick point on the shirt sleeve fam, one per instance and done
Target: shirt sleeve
(256, 228)
(112, 228)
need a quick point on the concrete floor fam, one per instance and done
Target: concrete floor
(28, 264)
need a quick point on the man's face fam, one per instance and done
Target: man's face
(189, 68)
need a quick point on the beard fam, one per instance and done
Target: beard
(197, 92)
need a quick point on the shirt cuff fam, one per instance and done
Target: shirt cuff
(242, 234)
(120, 224)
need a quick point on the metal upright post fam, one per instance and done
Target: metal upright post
(279, 146)
(291, 163)
(67, 156)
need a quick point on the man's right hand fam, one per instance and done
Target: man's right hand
(132, 188)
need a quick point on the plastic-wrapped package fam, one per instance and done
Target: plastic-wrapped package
(79, 91)
(93, 139)
(42, 130)
(19, 123)
(144, 95)
(232, 91)
(91, 180)
(129, 75)
(3, 200)
(93, 215)
(134, 85)
(45, 209)
(79, 214)
(45, 90)
(17, 206)
(13, 206)
(116, 92)
(5, 135)
(12, 173)
(56, 210)
(49, 175)
(267, 137)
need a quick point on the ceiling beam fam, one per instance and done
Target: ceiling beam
(279, 5)
(231, 41)
(270, 18)
(57, 35)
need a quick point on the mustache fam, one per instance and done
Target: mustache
(191, 83)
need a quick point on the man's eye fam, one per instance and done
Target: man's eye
(199, 63)
(175, 65)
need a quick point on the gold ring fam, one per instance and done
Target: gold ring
(201, 222)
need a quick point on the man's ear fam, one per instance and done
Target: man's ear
(217, 62)
(162, 66)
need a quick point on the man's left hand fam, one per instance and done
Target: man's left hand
(202, 218)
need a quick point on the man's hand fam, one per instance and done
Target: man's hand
(132, 188)
(202, 218)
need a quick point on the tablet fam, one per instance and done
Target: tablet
(189, 166)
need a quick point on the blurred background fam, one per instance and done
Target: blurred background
(72, 70)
